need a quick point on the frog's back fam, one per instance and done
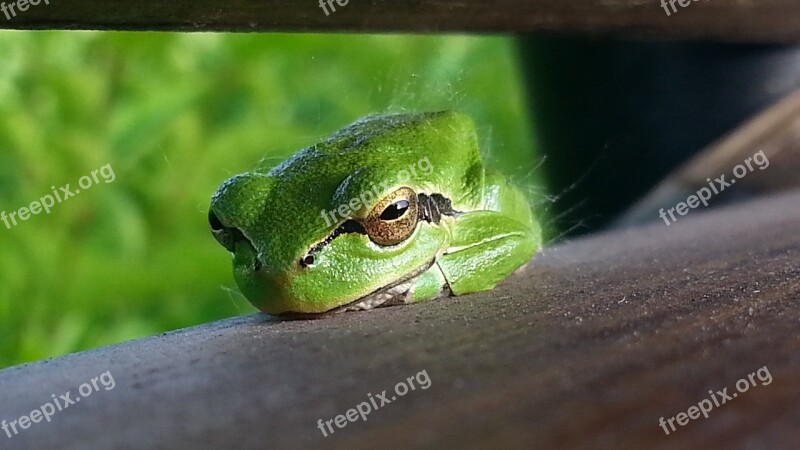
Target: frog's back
(381, 147)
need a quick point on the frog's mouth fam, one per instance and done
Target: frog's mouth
(395, 293)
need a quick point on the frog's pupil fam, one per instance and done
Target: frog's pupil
(308, 260)
(395, 210)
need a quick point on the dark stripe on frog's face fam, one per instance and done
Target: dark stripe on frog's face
(431, 209)
(350, 226)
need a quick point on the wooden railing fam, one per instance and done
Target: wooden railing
(727, 20)
(589, 349)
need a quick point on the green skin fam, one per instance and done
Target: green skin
(271, 219)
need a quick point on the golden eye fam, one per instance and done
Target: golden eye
(394, 218)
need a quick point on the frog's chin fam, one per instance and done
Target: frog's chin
(395, 293)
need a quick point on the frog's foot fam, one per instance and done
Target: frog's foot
(430, 285)
(523, 269)
(487, 247)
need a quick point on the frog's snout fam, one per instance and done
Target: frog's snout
(228, 237)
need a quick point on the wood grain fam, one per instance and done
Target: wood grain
(588, 349)
(727, 20)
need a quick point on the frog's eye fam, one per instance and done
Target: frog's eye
(394, 218)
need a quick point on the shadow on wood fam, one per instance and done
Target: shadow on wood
(588, 349)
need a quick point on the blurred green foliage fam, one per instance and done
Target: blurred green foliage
(175, 115)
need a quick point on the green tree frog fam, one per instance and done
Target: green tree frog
(392, 209)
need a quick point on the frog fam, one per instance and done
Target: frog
(396, 208)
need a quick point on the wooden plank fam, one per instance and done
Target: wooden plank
(730, 20)
(588, 349)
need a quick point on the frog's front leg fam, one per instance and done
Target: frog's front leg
(486, 247)
(430, 285)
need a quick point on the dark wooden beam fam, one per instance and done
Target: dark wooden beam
(728, 20)
(588, 349)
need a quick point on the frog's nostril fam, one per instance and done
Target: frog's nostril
(226, 236)
(216, 224)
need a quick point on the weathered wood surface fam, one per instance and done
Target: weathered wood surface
(588, 349)
(730, 20)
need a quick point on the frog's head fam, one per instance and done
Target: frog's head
(349, 219)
